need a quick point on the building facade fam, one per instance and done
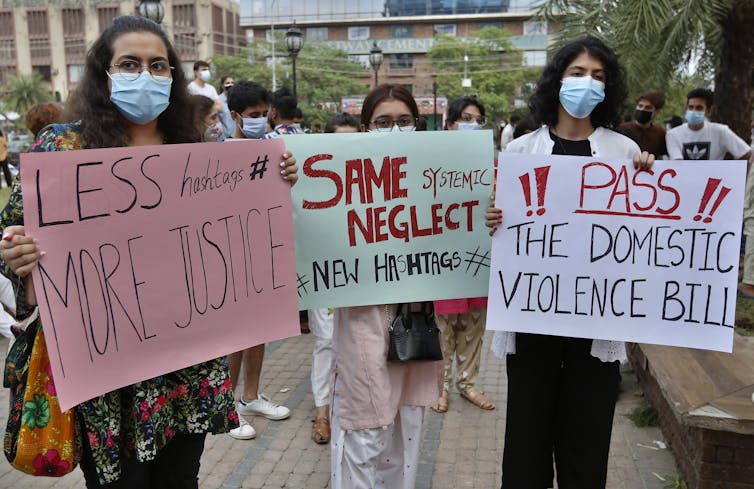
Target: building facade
(52, 37)
(403, 29)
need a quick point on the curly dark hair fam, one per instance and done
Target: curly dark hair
(387, 92)
(455, 109)
(41, 115)
(102, 125)
(544, 102)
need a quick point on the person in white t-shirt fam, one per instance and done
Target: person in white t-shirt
(506, 135)
(201, 86)
(700, 139)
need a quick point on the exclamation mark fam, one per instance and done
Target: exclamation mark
(712, 184)
(540, 174)
(526, 187)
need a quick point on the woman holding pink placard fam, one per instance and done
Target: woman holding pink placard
(149, 434)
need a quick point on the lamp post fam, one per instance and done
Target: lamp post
(152, 10)
(434, 103)
(375, 59)
(294, 41)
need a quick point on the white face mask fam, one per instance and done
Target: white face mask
(205, 75)
(468, 126)
(395, 128)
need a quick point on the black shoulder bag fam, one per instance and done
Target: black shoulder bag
(414, 336)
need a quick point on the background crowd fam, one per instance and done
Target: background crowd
(562, 391)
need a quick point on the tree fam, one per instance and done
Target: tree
(23, 91)
(658, 39)
(324, 74)
(494, 66)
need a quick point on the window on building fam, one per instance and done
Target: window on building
(39, 37)
(401, 61)
(74, 37)
(75, 72)
(44, 70)
(218, 31)
(409, 87)
(401, 31)
(358, 33)
(316, 34)
(362, 59)
(7, 45)
(535, 58)
(484, 25)
(447, 29)
(184, 31)
(105, 16)
(535, 27)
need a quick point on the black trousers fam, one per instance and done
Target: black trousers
(561, 402)
(6, 172)
(175, 467)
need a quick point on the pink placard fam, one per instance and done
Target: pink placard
(158, 257)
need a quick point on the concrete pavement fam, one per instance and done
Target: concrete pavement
(461, 449)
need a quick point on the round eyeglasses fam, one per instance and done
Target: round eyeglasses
(481, 120)
(404, 121)
(130, 69)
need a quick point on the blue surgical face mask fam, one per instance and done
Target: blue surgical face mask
(205, 75)
(141, 100)
(694, 117)
(468, 126)
(254, 127)
(579, 95)
(395, 128)
(213, 132)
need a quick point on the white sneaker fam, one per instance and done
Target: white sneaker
(263, 406)
(244, 431)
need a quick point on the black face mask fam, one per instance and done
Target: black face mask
(642, 116)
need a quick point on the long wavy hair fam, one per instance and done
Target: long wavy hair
(544, 102)
(102, 126)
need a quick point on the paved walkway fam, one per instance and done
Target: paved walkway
(462, 448)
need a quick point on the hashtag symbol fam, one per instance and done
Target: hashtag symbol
(478, 259)
(302, 284)
(259, 167)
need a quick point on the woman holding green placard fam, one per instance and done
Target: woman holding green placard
(378, 406)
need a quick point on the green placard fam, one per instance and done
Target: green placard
(391, 217)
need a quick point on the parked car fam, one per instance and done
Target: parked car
(18, 142)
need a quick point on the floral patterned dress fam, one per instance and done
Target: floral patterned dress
(140, 419)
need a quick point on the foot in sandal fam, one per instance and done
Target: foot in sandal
(321, 431)
(478, 398)
(442, 403)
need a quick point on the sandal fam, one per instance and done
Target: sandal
(442, 403)
(321, 431)
(478, 398)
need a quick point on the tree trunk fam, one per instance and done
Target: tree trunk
(734, 80)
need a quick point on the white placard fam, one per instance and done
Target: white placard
(596, 249)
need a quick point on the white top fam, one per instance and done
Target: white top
(603, 142)
(506, 135)
(207, 90)
(711, 142)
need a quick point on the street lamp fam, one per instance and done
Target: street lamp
(294, 41)
(152, 10)
(375, 59)
(434, 104)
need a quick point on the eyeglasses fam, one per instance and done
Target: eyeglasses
(131, 69)
(386, 122)
(466, 117)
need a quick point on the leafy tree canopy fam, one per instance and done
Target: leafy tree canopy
(494, 66)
